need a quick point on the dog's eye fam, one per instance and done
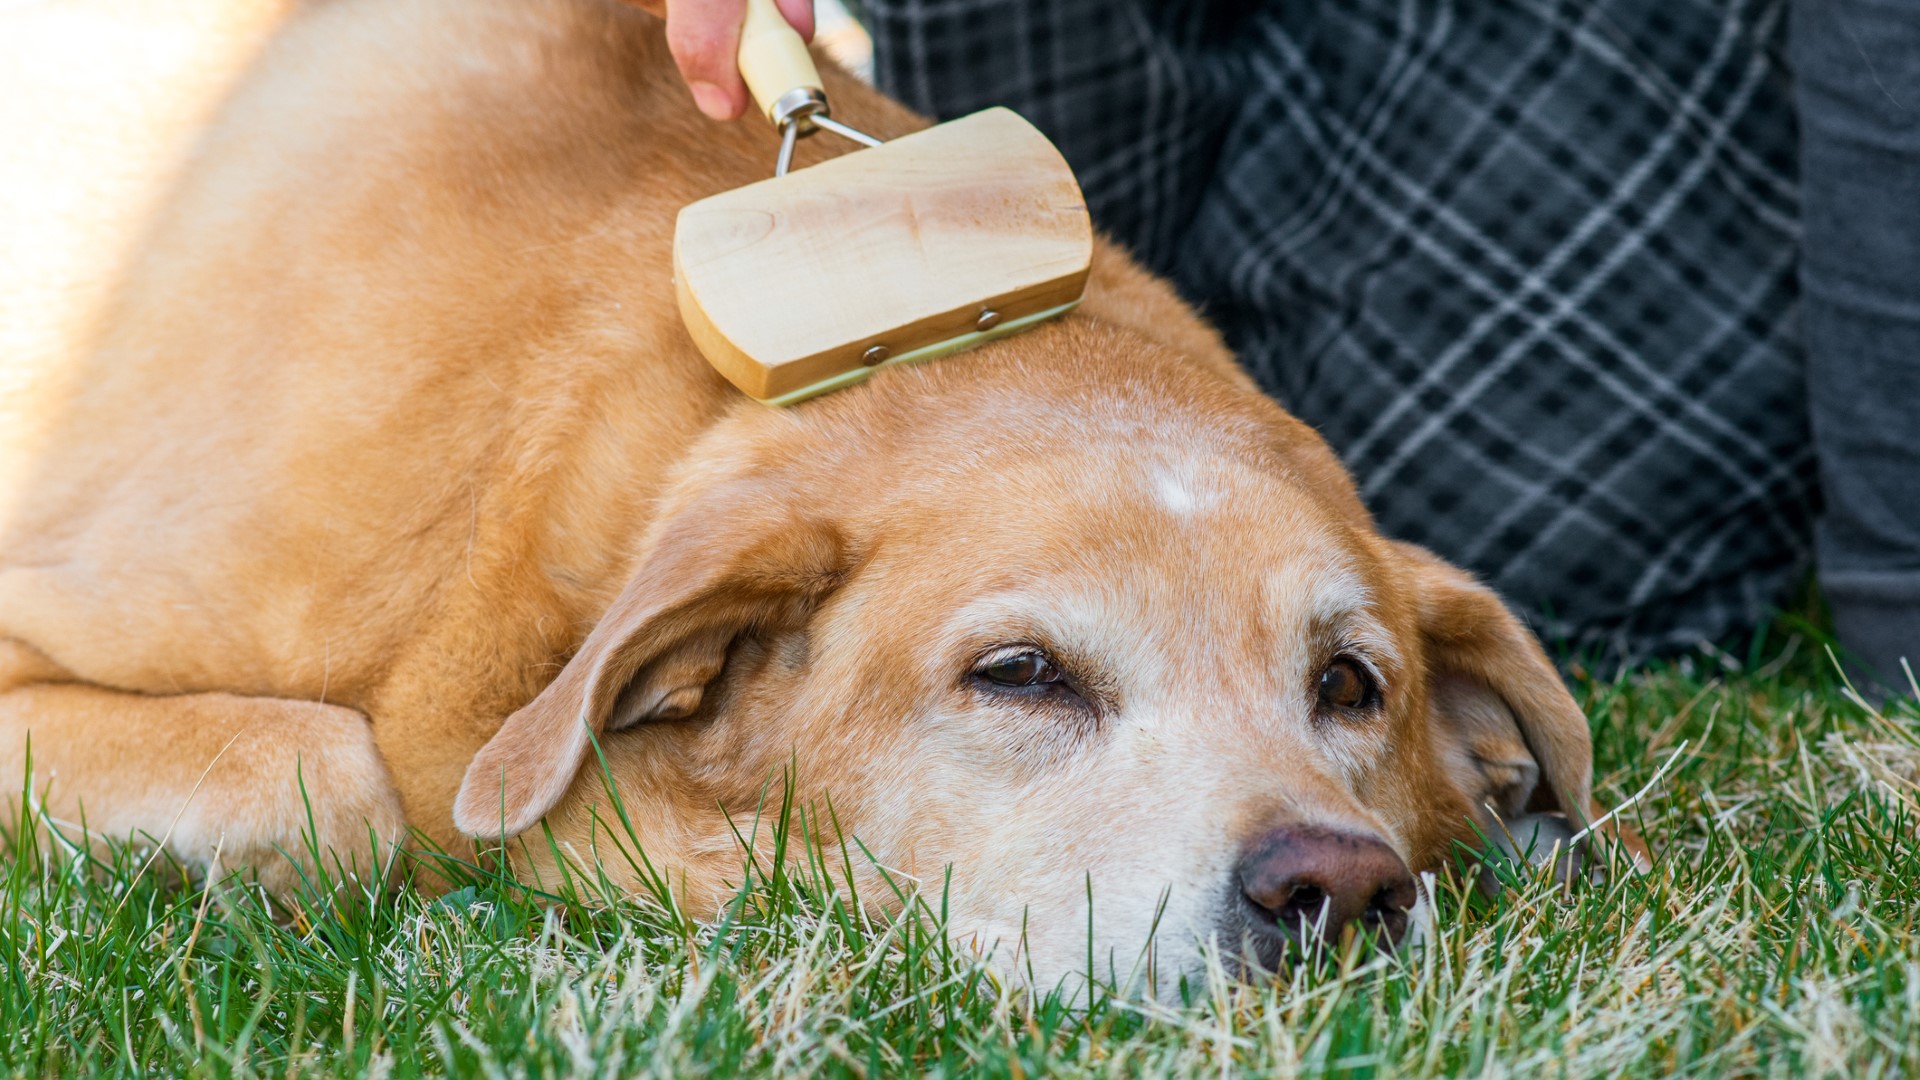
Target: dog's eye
(1346, 685)
(1029, 668)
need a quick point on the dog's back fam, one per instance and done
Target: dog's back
(341, 277)
(99, 100)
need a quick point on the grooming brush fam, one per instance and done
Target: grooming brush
(909, 249)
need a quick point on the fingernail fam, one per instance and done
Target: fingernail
(712, 100)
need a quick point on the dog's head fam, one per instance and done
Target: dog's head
(1074, 628)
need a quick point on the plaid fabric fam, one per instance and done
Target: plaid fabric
(1527, 264)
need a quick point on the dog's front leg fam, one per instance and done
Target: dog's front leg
(222, 781)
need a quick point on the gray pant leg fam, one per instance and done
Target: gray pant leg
(1857, 69)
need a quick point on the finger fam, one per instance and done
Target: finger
(704, 37)
(799, 15)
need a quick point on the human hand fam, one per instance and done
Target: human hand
(704, 37)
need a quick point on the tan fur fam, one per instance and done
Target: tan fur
(387, 422)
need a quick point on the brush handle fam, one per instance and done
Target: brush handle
(773, 58)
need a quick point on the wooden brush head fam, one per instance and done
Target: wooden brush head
(927, 244)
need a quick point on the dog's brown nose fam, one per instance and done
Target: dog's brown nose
(1314, 882)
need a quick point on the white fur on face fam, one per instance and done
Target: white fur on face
(1179, 488)
(1208, 657)
(1333, 605)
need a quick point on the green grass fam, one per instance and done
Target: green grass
(1776, 936)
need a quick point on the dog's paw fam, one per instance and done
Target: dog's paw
(302, 802)
(1538, 840)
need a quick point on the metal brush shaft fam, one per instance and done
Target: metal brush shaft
(780, 72)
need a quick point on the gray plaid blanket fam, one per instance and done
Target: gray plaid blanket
(1527, 264)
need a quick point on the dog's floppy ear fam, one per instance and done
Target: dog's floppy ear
(1518, 741)
(713, 569)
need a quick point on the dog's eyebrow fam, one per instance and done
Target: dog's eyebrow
(1363, 636)
(1318, 584)
(1338, 594)
(1336, 606)
(1359, 633)
(1048, 615)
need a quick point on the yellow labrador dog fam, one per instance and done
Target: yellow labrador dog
(349, 437)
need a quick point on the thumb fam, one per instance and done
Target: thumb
(799, 15)
(704, 37)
